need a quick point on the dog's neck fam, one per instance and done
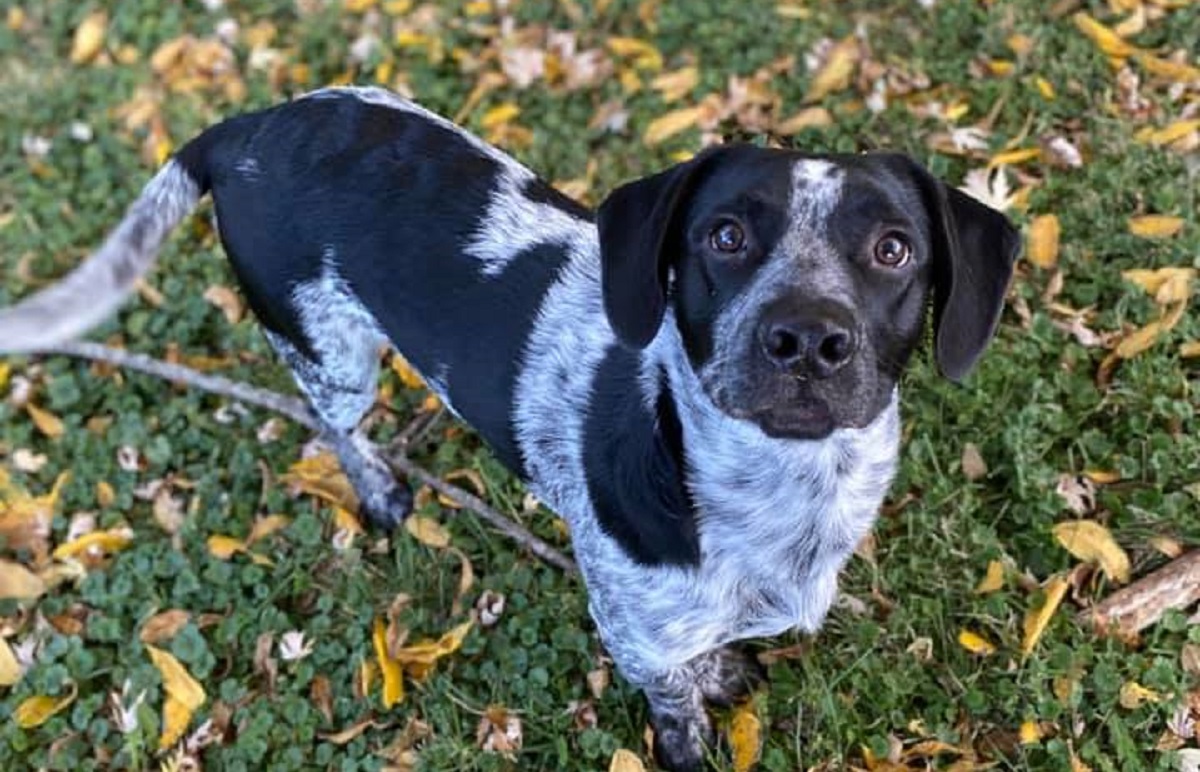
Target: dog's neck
(771, 497)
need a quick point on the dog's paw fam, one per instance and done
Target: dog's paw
(386, 509)
(728, 675)
(682, 744)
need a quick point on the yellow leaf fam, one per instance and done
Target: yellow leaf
(175, 719)
(1190, 350)
(666, 126)
(10, 669)
(419, 659)
(177, 681)
(89, 37)
(1108, 41)
(105, 495)
(1167, 69)
(428, 531)
(408, 376)
(319, 475)
(1044, 234)
(1000, 67)
(745, 737)
(644, 55)
(994, 580)
(35, 711)
(19, 583)
(1030, 733)
(1134, 694)
(1037, 619)
(1090, 541)
(1102, 476)
(265, 526)
(46, 422)
(163, 625)
(975, 643)
(1153, 281)
(225, 547)
(106, 542)
(1014, 157)
(5, 369)
(499, 115)
(1169, 133)
(809, 117)
(1044, 87)
(626, 761)
(835, 74)
(1155, 226)
(1139, 340)
(677, 84)
(393, 674)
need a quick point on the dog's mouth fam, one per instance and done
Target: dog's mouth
(809, 419)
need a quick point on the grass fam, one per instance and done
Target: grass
(886, 667)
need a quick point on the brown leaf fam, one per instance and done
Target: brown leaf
(227, 300)
(351, 732)
(836, 72)
(321, 694)
(428, 531)
(499, 731)
(163, 626)
(973, 465)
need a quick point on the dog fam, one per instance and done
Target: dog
(702, 378)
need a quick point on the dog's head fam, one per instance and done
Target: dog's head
(800, 283)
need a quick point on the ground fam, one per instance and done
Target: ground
(1083, 409)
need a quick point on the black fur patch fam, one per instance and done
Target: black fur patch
(635, 466)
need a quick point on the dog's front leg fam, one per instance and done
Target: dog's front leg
(683, 732)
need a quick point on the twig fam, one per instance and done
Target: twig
(297, 411)
(1134, 608)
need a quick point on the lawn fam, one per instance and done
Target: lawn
(143, 566)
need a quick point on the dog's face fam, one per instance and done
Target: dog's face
(800, 283)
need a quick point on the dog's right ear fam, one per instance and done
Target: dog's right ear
(637, 224)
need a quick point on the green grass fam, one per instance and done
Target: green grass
(892, 667)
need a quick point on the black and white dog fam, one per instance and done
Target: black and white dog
(702, 380)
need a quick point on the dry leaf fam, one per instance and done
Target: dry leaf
(1155, 226)
(89, 37)
(1108, 41)
(973, 465)
(1044, 234)
(408, 376)
(499, 731)
(95, 543)
(265, 526)
(1167, 134)
(35, 711)
(1030, 733)
(428, 531)
(351, 732)
(675, 85)
(836, 72)
(1037, 619)
(10, 669)
(176, 717)
(419, 659)
(993, 580)
(46, 422)
(1014, 157)
(177, 681)
(1090, 541)
(745, 737)
(163, 626)
(225, 547)
(319, 475)
(1134, 694)
(225, 299)
(626, 761)
(644, 55)
(393, 674)
(808, 118)
(19, 583)
(499, 115)
(672, 123)
(975, 643)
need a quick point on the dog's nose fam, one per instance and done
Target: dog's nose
(818, 347)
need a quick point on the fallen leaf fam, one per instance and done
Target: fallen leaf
(163, 626)
(19, 583)
(1167, 134)
(1037, 619)
(500, 731)
(320, 476)
(643, 54)
(95, 543)
(675, 85)
(1134, 694)
(1153, 280)
(808, 118)
(227, 301)
(973, 465)
(176, 717)
(745, 737)
(1179, 72)
(1108, 41)
(1030, 733)
(1044, 234)
(1155, 226)
(46, 422)
(499, 115)
(466, 580)
(351, 732)
(993, 580)
(405, 372)
(393, 674)
(625, 761)
(666, 126)
(265, 526)
(428, 531)
(225, 547)
(836, 72)
(89, 37)
(177, 681)
(1089, 541)
(975, 643)
(1014, 157)
(10, 669)
(419, 659)
(37, 710)
(1078, 492)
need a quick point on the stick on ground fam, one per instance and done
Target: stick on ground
(1134, 608)
(296, 410)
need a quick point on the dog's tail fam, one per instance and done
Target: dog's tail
(97, 287)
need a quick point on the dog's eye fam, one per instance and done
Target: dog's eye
(893, 250)
(727, 237)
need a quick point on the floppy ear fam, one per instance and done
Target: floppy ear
(975, 248)
(637, 224)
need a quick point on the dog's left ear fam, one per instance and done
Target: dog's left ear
(638, 224)
(975, 248)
